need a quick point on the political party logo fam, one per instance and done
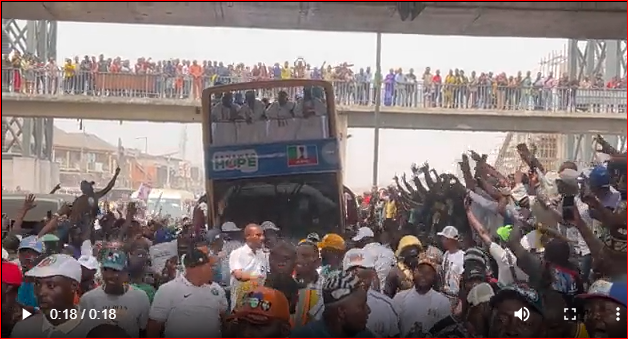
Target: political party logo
(302, 155)
(245, 161)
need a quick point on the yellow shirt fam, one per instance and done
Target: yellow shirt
(391, 210)
(582, 331)
(450, 80)
(286, 73)
(69, 70)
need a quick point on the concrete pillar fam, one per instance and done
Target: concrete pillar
(31, 174)
(342, 123)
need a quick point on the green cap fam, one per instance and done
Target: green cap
(504, 232)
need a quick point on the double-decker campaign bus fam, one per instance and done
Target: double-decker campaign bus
(272, 154)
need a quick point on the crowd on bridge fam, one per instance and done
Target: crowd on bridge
(185, 79)
(534, 254)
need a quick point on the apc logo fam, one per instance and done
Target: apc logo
(245, 161)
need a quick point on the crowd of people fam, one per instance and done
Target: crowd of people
(533, 254)
(185, 79)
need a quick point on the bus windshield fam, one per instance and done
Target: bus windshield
(172, 207)
(272, 154)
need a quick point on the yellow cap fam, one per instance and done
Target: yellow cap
(332, 240)
(408, 240)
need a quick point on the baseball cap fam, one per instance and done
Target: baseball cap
(229, 227)
(426, 260)
(49, 237)
(363, 232)
(89, 262)
(474, 272)
(32, 243)
(604, 289)
(357, 257)
(339, 285)
(332, 240)
(474, 254)
(480, 293)
(408, 240)
(313, 237)
(115, 260)
(269, 226)
(195, 258)
(11, 274)
(449, 232)
(262, 305)
(599, 177)
(522, 292)
(57, 265)
(212, 235)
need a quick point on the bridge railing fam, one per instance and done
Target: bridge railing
(349, 93)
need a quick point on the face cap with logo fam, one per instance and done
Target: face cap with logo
(340, 285)
(523, 293)
(604, 289)
(263, 305)
(57, 265)
(31, 243)
(357, 257)
(229, 227)
(115, 259)
(195, 258)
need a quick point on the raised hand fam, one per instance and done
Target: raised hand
(29, 203)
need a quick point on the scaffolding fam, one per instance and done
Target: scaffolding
(28, 137)
(579, 59)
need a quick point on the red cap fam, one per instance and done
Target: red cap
(11, 274)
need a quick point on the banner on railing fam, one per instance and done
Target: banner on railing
(284, 158)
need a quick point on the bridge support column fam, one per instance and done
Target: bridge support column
(342, 124)
(589, 59)
(28, 137)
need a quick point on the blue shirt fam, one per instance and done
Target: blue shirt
(318, 329)
(26, 294)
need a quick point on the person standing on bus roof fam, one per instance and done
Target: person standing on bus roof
(283, 108)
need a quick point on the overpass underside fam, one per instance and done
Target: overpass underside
(604, 20)
(188, 111)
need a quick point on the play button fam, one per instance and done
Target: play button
(25, 314)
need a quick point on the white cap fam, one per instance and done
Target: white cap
(357, 257)
(363, 232)
(57, 265)
(89, 262)
(5, 254)
(449, 232)
(480, 293)
(229, 227)
(269, 226)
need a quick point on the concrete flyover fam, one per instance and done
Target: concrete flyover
(569, 19)
(189, 111)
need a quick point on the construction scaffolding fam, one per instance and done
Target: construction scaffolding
(27, 137)
(578, 60)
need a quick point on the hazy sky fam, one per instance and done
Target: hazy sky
(398, 148)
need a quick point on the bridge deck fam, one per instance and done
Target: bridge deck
(359, 116)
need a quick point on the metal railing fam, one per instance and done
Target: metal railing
(409, 95)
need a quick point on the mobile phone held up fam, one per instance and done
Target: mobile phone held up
(569, 204)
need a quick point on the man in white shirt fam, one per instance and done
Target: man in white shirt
(191, 305)
(453, 261)
(248, 264)
(421, 307)
(131, 305)
(383, 319)
(384, 258)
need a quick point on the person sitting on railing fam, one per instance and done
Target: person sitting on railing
(226, 110)
(281, 109)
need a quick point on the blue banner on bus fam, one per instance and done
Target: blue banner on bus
(265, 160)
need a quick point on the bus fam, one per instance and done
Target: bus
(170, 202)
(272, 153)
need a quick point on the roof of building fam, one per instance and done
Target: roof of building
(86, 141)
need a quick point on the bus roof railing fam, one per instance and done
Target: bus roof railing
(268, 84)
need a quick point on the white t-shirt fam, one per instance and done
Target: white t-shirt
(425, 309)
(244, 259)
(453, 267)
(505, 259)
(384, 318)
(131, 307)
(189, 311)
(384, 260)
